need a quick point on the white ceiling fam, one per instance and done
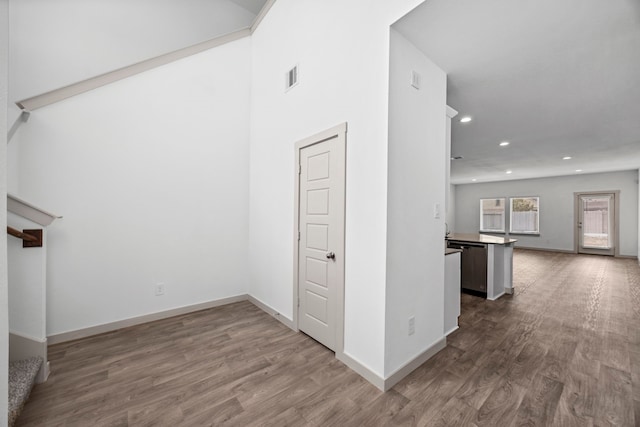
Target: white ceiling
(253, 6)
(554, 78)
(59, 43)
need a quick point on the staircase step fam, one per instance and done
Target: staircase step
(22, 377)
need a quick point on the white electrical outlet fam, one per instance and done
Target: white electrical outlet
(159, 289)
(412, 325)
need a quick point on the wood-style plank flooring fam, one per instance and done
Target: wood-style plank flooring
(563, 351)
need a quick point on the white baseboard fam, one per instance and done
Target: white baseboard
(500, 294)
(361, 370)
(381, 383)
(22, 347)
(413, 364)
(384, 384)
(455, 328)
(120, 324)
(272, 312)
(112, 326)
(570, 251)
(561, 251)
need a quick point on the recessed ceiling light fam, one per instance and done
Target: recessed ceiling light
(578, 170)
(504, 143)
(465, 119)
(508, 172)
(473, 180)
(567, 158)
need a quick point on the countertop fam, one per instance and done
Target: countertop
(449, 251)
(480, 238)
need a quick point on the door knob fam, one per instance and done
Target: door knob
(331, 255)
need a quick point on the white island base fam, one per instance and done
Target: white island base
(499, 270)
(451, 290)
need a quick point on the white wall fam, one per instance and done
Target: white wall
(451, 208)
(13, 155)
(27, 278)
(450, 189)
(416, 184)
(151, 176)
(57, 43)
(344, 63)
(4, 302)
(556, 206)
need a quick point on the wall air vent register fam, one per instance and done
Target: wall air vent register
(291, 78)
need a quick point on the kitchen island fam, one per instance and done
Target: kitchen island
(486, 263)
(451, 289)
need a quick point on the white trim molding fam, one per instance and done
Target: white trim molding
(262, 14)
(451, 113)
(22, 346)
(400, 373)
(124, 323)
(29, 211)
(22, 118)
(56, 95)
(272, 312)
(120, 324)
(361, 370)
(385, 384)
(455, 328)
(338, 132)
(62, 93)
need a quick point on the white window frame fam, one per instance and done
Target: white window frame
(534, 232)
(504, 215)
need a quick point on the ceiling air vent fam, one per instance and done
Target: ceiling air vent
(291, 78)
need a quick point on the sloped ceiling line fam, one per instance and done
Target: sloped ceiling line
(262, 14)
(56, 95)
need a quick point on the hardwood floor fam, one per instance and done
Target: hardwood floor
(563, 351)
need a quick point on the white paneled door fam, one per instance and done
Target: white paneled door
(321, 195)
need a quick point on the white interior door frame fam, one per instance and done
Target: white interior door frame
(616, 219)
(338, 132)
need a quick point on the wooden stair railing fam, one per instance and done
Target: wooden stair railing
(30, 238)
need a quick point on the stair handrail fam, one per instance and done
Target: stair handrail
(30, 238)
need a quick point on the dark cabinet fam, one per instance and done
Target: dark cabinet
(473, 267)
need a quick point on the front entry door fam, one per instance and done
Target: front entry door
(596, 223)
(321, 237)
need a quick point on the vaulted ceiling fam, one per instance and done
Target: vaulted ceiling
(62, 42)
(553, 78)
(253, 6)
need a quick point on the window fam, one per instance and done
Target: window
(525, 216)
(492, 215)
